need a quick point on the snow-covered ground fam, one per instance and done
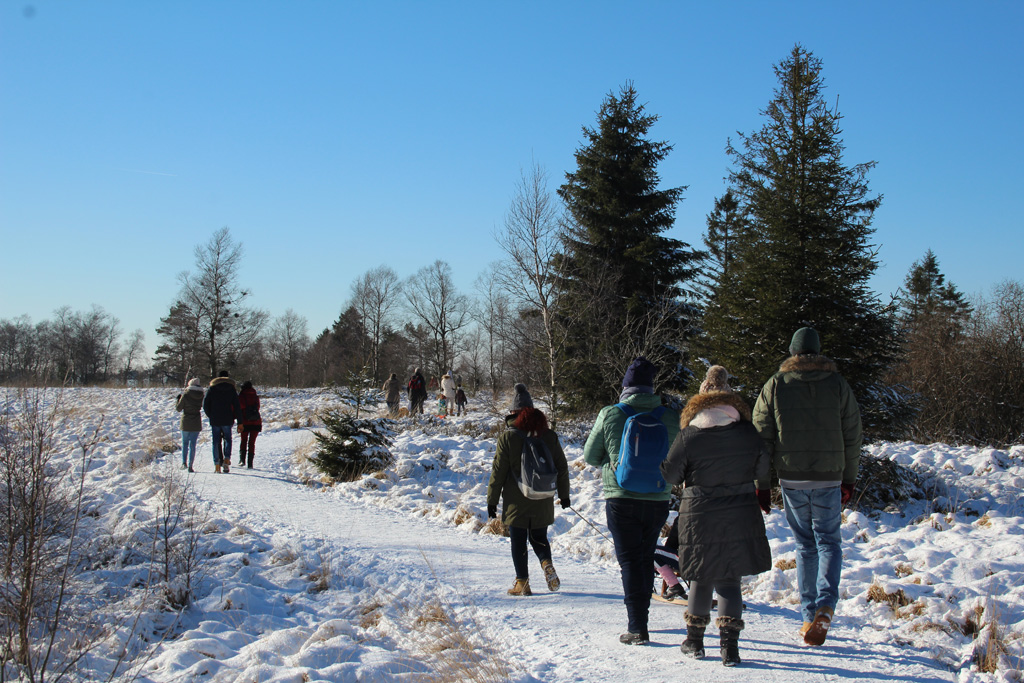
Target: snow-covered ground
(397, 576)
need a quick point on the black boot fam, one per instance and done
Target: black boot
(693, 646)
(729, 630)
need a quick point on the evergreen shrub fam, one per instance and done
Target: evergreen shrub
(351, 447)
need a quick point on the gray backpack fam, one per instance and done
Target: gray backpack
(537, 478)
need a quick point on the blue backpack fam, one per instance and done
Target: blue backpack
(644, 447)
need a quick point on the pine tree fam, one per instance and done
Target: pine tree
(351, 446)
(926, 293)
(617, 265)
(804, 257)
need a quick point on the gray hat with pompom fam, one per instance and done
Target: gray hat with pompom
(522, 398)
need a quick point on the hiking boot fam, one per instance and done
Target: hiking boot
(676, 592)
(819, 627)
(805, 628)
(184, 466)
(191, 470)
(226, 467)
(216, 469)
(693, 646)
(630, 638)
(729, 633)
(550, 576)
(520, 587)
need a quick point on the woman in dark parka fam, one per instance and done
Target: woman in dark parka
(528, 520)
(716, 457)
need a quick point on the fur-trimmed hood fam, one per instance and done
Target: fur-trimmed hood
(808, 363)
(702, 402)
(223, 380)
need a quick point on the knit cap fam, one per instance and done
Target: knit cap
(805, 340)
(717, 380)
(522, 398)
(640, 373)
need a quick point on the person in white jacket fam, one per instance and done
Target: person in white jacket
(448, 388)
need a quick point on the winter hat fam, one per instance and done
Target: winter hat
(194, 382)
(717, 380)
(247, 384)
(805, 340)
(522, 398)
(223, 373)
(640, 373)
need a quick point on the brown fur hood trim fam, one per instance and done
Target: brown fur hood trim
(223, 380)
(808, 363)
(531, 420)
(711, 399)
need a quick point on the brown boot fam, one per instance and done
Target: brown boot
(216, 469)
(520, 587)
(550, 576)
(819, 627)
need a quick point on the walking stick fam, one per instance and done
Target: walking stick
(590, 523)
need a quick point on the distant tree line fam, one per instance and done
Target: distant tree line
(591, 278)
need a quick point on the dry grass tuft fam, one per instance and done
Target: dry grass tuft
(990, 646)
(903, 570)
(785, 564)
(984, 520)
(464, 515)
(895, 600)
(160, 441)
(369, 615)
(495, 527)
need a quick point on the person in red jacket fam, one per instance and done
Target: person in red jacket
(250, 424)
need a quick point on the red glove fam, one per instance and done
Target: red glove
(847, 493)
(764, 499)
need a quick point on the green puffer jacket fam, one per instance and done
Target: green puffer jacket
(516, 509)
(810, 422)
(602, 447)
(190, 402)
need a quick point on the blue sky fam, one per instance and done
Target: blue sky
(333, 137)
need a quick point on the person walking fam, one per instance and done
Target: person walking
(189, 403)
(417, 390)
(528, 519)
(392, 394)
(809, 420)
(460, 401)
(716, 457)
(635, 518)
(222, 408)
(250, 424)
(448, 389)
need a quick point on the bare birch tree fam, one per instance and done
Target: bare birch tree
(288, 341)
(432, 299)
(375, 295)
(214, 293)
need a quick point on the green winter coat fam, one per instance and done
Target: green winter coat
(809, 421)
(602, 447)
(190, 402)
(516, 509)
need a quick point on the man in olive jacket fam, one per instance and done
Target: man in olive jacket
(810, 423)
(634, 519)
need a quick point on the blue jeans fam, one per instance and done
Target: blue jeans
(188, 448)
(636, 526)
(221, 453)
(814, 515)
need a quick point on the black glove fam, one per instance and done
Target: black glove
(492, 511)
(564, 503)
(764, 499)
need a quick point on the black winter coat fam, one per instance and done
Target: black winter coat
(221, 403)
(721, 531)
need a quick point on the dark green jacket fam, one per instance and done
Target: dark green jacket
(605, 440)
(810, 422)
(516, 509)
(190, 402)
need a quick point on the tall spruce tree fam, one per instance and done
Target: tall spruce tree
(804, 257)
(617, 265)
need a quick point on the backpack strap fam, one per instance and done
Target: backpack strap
(627, 409)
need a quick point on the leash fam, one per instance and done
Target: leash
(591, 524)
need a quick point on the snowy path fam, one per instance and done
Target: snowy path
(566, 636)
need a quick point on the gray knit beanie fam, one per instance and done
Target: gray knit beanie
(522, 398)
